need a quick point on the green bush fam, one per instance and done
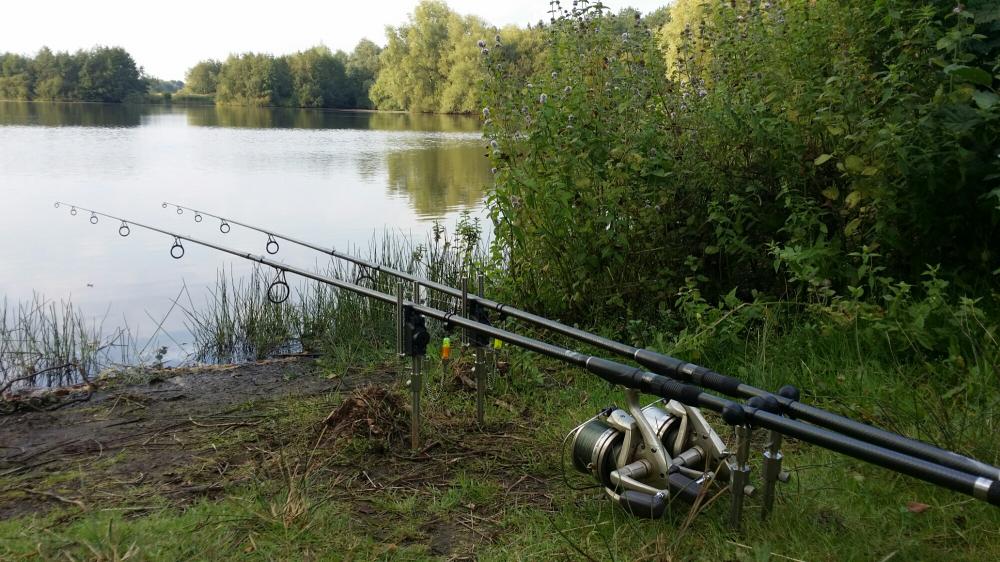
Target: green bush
(803, 150)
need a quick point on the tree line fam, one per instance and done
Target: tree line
(101, 74)
(317, 77)
(431, 63)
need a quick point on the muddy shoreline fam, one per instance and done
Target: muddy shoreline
(150, 424)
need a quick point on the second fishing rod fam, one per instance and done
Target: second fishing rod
(788, 399)
(740, 415)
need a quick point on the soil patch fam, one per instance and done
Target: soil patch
(155, 436)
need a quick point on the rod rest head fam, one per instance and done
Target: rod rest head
(733, 414)
(768, 403)
(790, 392)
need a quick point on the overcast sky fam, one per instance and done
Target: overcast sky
(169, 37)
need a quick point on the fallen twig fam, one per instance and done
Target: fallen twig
(77, 503)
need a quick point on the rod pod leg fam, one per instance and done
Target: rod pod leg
(771, 472)
(481, 379)
(415, 386)
(740, 477)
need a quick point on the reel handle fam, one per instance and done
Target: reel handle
(643, 505)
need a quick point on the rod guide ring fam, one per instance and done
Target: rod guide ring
(272, 245)
(177, 250)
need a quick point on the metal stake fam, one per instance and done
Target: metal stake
(415, 387)
(481, 369)
(399, 319)
(740, 476)
(771, 471)
(465, 308)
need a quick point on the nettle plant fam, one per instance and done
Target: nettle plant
(580, 208)
(784, 145)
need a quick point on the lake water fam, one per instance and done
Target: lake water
(334, 178)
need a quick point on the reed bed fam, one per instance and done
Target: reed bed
(49, 343)
(238, 322)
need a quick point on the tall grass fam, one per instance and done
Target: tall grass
(238, 322)
(45, 343)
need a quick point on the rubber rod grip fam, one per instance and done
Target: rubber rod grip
(643, 505)
(683, 487)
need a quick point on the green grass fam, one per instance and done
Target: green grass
(496, 493)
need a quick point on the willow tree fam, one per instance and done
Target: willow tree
(411, 72)
(203, 78)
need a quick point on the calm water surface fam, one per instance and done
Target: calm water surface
(334, 178)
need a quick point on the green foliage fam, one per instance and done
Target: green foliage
(362, 69)
(580, 166)
(753, 155)
(103, 74)
(431, 63)
(317, 77)
(203, 78)
(254, 79)
(168, 87)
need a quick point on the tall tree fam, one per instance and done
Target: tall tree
(109, 74)
(318, 78)
(411, 69)
(362, 70)
(203, 78)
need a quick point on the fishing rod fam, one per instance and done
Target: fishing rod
(787, 397)
(623, 480)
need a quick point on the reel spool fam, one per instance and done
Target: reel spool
(645, 457)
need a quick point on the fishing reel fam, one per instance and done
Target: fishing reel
(644, 458)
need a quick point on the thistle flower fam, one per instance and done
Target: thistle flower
(495, 145)
(486, 51)
(496, 38)
(481, 43)
(486, 113)
(554, 75)
(567, 89)
(542, 98)
(493, 171)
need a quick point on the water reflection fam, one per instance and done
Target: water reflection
(73, 114)
(281, 118)
(439, 178)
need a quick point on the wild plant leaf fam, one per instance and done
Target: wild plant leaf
(854, 164)
(985, 99)
(822, 159)
(852, 199)
(969, 74)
